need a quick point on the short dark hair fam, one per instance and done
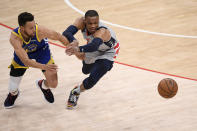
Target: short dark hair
(24, 17)
(91, 13)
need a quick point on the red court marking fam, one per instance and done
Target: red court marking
(49, 41)
(57, 44)
(120, 62)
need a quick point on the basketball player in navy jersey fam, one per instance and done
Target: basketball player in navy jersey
(97, 55)
(29, 41)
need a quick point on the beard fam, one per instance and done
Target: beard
(28, 35)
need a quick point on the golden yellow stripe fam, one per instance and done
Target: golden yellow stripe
(16, 65)
(37, 33)
(51, 61)
(15, 34)
(22, 37)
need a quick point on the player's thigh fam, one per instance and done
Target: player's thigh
(101, 67)
(103, 64)
(86, 69)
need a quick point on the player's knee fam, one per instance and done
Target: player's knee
(15, 78)
(85, 71)
(105, 65)
(89, 82)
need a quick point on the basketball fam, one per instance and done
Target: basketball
(167, 88)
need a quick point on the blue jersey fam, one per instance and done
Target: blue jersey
(36, 49)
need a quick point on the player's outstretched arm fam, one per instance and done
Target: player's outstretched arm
(69, 34)
(44, 32)
(100, 36)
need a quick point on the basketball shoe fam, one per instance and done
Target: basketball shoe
(48, 95)
(72, 100)
(9, 101)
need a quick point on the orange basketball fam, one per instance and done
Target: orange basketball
(167, 88)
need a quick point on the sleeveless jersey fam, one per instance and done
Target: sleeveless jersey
(36, 49)
(33, 44)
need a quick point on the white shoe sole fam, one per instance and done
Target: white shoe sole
(9, 107)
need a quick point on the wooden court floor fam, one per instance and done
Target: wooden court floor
(126, 98)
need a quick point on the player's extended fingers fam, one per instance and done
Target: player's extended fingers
(72, 50)
(68, 52)
(69, 49)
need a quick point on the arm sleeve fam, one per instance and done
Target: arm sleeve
(70, 32)
(91, 47)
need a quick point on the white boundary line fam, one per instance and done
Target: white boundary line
(130, 28)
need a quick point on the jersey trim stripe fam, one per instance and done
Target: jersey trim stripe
(17, 65)
(15, 34)
(37, 33)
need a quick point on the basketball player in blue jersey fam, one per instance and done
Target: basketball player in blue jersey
(29, 41)
(97, 55)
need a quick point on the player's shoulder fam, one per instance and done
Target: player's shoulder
(41, 30)
(80, 19)
(102, 30)
(15, 39)
(40, 27)
(102, 27)
(15, 36)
